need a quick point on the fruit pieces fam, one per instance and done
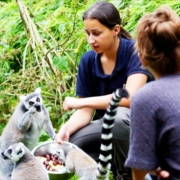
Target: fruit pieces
(52, 162)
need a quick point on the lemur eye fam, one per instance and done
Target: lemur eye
(19, 152)
(9, 151)
(38, 99)
(31, 102)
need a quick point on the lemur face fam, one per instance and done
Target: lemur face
(61, 154)
(15, 152)
(33, 99)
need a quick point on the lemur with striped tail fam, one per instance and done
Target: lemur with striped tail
(82, 164)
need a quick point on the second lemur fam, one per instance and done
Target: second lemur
(26, 166)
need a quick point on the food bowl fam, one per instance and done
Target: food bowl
(47, 148)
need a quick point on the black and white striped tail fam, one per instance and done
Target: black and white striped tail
(105, 156)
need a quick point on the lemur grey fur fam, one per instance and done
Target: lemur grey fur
(26, 166)
(25, 125)
(78, 161)
(82, 164)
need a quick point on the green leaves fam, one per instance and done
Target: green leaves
(24, 66)
(61, 63)
(131, 11)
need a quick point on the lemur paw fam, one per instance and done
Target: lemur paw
(32, 110)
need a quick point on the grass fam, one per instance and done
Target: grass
(75, 177)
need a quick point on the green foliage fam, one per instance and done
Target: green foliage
(22, 67)
(131, 11)
(51, 61)
(44, 137)
(75, 177)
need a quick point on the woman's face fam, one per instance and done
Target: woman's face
(99, 36)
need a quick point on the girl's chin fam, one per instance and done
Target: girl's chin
(97, 51)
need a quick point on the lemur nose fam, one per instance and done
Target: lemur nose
(38, 107)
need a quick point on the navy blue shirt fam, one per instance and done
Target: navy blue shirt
(91, 80)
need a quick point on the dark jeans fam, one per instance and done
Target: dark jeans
(89, 138)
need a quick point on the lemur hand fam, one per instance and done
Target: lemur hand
(32, 110)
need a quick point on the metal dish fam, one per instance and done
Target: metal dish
(49, 147)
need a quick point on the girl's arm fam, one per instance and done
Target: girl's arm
(85, 107)
(134, 82)
(139, 174)
(79, 119)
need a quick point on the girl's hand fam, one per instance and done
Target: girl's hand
(72, 103)
(160, 173)
(62, 135)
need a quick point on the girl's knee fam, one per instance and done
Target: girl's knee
(122, 123)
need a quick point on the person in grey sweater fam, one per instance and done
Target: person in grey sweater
(155, 108)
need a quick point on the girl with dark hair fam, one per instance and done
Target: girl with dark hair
(112, 63)
(155, 112)
(107, 15)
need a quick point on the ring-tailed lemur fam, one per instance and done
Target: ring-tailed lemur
(25, 125)
(26, 166)
(82, 164)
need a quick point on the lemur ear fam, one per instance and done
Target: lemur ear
(22, 97)
(20, 143)
(38, 90)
